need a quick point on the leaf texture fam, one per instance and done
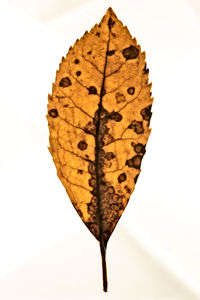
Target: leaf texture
(98, 117)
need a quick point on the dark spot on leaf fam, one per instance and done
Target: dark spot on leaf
(134, 162)
(65, 82)
(92, 206)
(137, 126)
(102, 182)
(122, 177)
(98, 34)
(92, 226)
(131, 126)
(90, 128)
(116, 197)
(92, 90)
(107, 138)
(113, 34)
(120, 98)
(131, 52)
(116, 116)
(104, 113)
(111, 190)
(127, 189)
(109, 155)
(146, 113)
(80, 171)
(94, 191)
(82, 145)
(76, 61)
(101, 144)
(111, 52)
(145, 70)
(139, 148)
(79, 212)
(103, 128)
(78, 73)
(136, 178)
(89, 52)
(92, 181)
(53, 113)
(131, 90)
(110, 23)
(91, 168)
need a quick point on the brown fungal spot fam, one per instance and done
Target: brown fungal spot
(82, 145)
(78, 73)
(92, 205)
(130, 53)
(76, 61)
(89, 52)
(116, 116)
(65, 82)
(111, 23)
(90, 128)
(128, 190)
(139, 148)
(120, 98)
(98, 34)
(94, 191)
(131, 126)
(109, 155)
(93, 226)
(146, 113)
(91, 168)
(136, 178)
(145, 70)
(107, 138)
(104, 113)
(80, 171)
(111, 190)
(137, 126)
(134, 162)
(110, 52)
(92, 181)
(121, 178)
(92, 90)
(79, 212)
(131, 90)
(53, 113)
(116, 197)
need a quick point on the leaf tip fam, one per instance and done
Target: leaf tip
(110, 12)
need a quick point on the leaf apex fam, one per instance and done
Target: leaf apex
(111, 12)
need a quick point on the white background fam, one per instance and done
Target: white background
(158, 236)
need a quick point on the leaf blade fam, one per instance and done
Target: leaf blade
(98, 147)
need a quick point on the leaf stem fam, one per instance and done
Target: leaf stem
(104, 267)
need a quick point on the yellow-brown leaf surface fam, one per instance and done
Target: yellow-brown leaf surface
(98, 116)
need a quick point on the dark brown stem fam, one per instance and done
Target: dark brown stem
(104, 268)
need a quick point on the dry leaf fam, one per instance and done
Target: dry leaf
(98, 116)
